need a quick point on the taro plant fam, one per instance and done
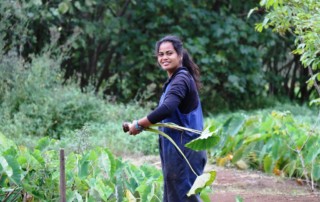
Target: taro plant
(274, 142)
(95, 175)
(207, 139)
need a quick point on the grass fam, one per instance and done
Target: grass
(108, 132)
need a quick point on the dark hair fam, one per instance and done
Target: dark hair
(186, 58)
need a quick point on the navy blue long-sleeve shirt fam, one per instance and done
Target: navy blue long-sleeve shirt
(182, 94)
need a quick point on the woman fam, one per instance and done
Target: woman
(179, 104)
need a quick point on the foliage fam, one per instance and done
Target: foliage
(301, 19)
(113, 50)
(273, 142)
(38, 104)
(34, 103)
(95, 175)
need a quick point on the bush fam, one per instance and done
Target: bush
(34, 103)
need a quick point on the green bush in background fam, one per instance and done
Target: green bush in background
(34, 104)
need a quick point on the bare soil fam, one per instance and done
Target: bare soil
(248, 185)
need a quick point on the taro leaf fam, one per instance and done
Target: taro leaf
(74, 196)
(234, 124)
(13, 170)
(316, 172)
(201, 182)
(43, 143)
(113, 162)
(129, 196)
(207, 140)
(83, 166)
(5, 143)
(267, 164)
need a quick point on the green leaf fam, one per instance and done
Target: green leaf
(208, 139)
(251, 11)
(202, 182)
(255, 138)
(5, 143)
(145, 192)
(238, 154)
(234, 124)
(313, 153)
(129, 196)
(43, 143)
(267, 164)
(37, 2)
(112, 161)
(316, 172)
(239, 199)
(104, 190)
(13, 169)
(291, 168)
(315, 102)
(84, 166)
(63, 7)
(205, 195)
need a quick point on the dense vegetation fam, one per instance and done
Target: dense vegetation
(110, 47)
(87, 125)
(66, 66)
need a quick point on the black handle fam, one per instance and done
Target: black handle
(125, 127)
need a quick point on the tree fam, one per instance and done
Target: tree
(302, 20)
(113, 54)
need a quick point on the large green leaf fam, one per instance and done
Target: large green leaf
(102, 189)
(234, 124)
(83, 166)
(43, 143)
(12, 169)
(146, 191)
(207, 140)
(202, 182)
(113, 162)
(5, 143)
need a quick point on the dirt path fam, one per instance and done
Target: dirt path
(250, 186)
(253, 186)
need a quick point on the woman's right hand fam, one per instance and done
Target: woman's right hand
(132, 129)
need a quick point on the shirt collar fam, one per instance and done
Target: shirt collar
(179, 69)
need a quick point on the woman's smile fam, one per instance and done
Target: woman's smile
(168, 57)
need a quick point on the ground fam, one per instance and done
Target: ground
(253, 186)
(250, 186)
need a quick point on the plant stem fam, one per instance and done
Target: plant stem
(171, 140)
(177, 127)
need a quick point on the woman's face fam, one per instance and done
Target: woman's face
(168, 58)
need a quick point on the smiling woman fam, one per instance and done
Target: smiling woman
(168, 58)
(179, 104)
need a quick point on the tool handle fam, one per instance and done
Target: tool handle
(125, 126)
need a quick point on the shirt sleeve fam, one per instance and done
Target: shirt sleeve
(178, 90)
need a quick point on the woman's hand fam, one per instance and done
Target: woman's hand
(135, 128)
